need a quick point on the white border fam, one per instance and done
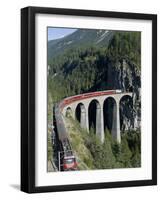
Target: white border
(43, 178)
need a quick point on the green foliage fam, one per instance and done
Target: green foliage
(93, 154)
(136, 159)
(108, 158)
(133, 139)
(128, 153)
(50, 148)
(125, 154)
(50, 153)
(85, 68)
(128, 45)
(76, 133)
(110, 154)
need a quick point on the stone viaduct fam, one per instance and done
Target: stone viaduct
(100, 99)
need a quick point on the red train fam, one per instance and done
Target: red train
(66, 157)
(69, 163)
(72, 99)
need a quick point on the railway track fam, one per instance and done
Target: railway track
(67, 160)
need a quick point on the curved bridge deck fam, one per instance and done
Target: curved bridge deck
(85, 100)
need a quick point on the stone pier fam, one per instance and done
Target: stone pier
(84, 117)
(116, 123)
(99, 122)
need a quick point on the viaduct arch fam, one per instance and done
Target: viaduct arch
(81, 110)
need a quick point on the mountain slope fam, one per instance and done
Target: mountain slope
(81, 37)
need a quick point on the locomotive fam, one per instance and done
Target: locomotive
(67, 160)
(69, 163)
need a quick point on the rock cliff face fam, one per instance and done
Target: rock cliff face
(127, 77)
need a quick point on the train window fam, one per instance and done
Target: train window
(68, 161)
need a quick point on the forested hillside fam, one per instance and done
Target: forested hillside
(92, 154)
(83, 68)
(113, 65)
(80, 38)
(95, 60)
